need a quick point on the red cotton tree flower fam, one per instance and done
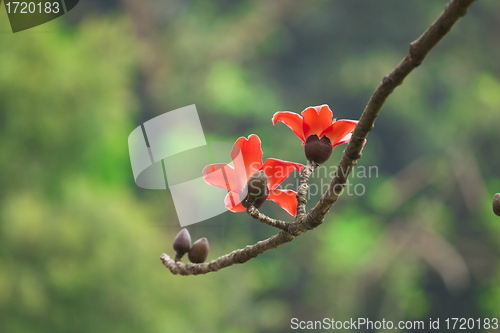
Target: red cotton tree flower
(317, 130)
(251, 181)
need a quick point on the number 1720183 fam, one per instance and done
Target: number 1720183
(32, 7)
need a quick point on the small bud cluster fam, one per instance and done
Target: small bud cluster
(197, 253)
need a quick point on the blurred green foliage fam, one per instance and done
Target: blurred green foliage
(79, 242)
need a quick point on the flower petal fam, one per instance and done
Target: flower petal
(292, 120)
(232, 202)
(316, 120)
(286, 199)
(277, 170)
(247, 158)
(338, 131)
(221, 175)
(344, 140)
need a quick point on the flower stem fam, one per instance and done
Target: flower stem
(302, 190)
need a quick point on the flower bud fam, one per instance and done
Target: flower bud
(182, 243)
(496, 204)
(318, 150)
(256, 190)
(199, 251)
(257, 185)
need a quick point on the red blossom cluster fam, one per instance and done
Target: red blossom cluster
(252, 182)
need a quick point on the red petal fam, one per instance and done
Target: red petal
(316, 119)
(286, 199)
(221, 175)
(338, 131)
(277, 170)
(344, 140)
(292, 120)
(232, 202)
(247, 158)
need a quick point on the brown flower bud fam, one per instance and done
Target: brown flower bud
(496, 204)
(318, 150)
(256, 191)
(199, 251)
(257, 185)
(182, 243)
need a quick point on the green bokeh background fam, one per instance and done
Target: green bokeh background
(80, 243)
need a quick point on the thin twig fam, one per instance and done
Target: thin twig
(254, 212)
(418, 50)
(302, 191)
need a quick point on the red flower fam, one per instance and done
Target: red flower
(317, 120)
(247, 159)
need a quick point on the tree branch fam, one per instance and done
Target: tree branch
(418, 50)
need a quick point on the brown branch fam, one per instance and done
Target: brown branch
(418, 50)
